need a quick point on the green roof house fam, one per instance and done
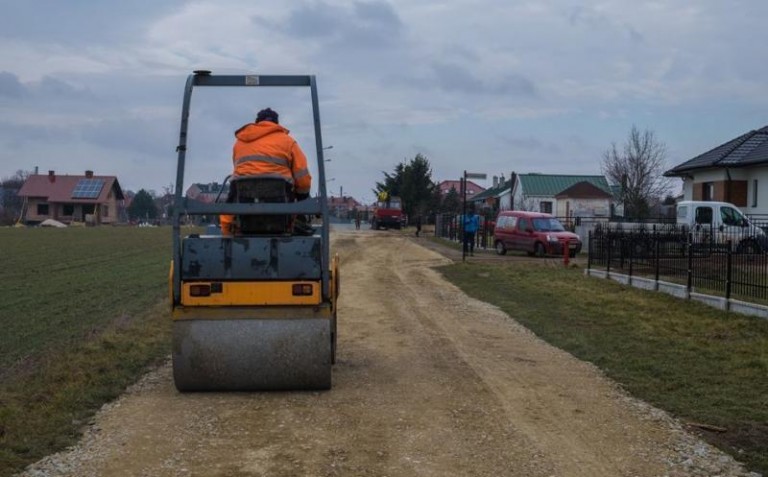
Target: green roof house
(559, 195)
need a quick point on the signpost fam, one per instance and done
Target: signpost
(463, 181)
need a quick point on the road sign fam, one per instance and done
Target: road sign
(475, 175)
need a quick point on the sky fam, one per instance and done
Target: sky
(490, 86)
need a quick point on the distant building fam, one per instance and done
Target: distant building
(343, 206)
(488, 200)
(208, 192)
(80, 198)
(472, 188)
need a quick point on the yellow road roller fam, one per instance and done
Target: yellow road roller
(255, 310)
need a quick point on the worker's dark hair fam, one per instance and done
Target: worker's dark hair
(267, 115)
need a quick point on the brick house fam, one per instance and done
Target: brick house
(343, 206)
(472, 188)
(81, 198)
(208, 192)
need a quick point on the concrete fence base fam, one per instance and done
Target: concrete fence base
(681, 291)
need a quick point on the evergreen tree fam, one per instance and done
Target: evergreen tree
(142, 207)
(451, 202)
(412, 182)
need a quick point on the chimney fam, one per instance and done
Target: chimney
(51, 176)
(495, 181)
(37, 170)
(89, 174)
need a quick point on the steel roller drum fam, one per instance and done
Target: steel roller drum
(252, 354)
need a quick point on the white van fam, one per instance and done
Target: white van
(720, 222)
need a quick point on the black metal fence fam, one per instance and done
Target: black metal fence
(448, 226)
(723, 263)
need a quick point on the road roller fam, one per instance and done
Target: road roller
(255, 310)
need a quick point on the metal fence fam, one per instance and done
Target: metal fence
(716, 263)
(448, 226)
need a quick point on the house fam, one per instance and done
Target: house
(735, 172)
(343, 206)
(559, 195)
(472, 188)
(488, 200)
(208, 192)
(86, 198)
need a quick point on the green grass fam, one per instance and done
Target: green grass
(701, 364)
(83, 313)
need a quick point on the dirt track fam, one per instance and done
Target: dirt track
(429, 382)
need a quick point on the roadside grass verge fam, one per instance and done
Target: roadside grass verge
(83, 313)
(702, 365)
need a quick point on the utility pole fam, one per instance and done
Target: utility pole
(467, 175)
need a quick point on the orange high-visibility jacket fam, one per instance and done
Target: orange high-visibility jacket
(265, 149)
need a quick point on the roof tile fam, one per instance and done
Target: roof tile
(746, 150)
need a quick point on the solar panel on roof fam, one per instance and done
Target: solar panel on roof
(88, 189)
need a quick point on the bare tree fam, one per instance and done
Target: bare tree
(639, 169)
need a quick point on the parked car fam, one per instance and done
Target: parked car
(532, 232)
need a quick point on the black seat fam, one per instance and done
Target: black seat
(249, 190)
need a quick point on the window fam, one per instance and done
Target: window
(682, 212)
(754, 193)
(68, 210)
(708, 192)
(105, 211)
(545, 206)
(731, 216)
(524, 224)
(42, 209)
(703, 215)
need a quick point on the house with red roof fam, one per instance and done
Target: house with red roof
(72, 198)
(343, 206)
(472, 188)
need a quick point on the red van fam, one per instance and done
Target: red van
(532, 232)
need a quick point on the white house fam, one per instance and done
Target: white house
(559, 195)
(735, 172)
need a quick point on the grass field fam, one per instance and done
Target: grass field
(700, 364)
(82, 314)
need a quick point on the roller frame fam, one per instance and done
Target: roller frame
(252, 348)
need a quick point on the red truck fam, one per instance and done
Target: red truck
(387, 213)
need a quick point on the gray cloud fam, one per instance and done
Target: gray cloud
(455, 78)
(89, 79)
(143, 136)
(365, 24)
(79, 22)
(47, 88)
(530, 143)
(10, 87)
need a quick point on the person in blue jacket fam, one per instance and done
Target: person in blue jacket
(471, 226)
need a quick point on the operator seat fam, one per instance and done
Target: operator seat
(249, 190)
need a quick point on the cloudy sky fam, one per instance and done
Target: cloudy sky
(488, 86)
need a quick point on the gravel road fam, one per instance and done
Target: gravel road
(429, 382)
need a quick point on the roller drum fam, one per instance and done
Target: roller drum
(252, 354)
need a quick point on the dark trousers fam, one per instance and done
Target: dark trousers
(469, 242)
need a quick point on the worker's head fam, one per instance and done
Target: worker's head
(267, 115)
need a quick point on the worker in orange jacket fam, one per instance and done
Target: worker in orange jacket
(264, 148)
